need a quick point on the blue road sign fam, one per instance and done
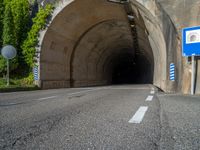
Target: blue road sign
(191, 41)
(35, 73)
(172, 72)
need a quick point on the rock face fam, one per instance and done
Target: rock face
(184, 14)
(90, 42)
(172, 17)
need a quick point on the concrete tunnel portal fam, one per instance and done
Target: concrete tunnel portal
(94, 42)
(111, 59)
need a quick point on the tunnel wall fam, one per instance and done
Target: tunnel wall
(183, 14)
(65, 36)
(164, 42)
(159, 39)
(105, 39)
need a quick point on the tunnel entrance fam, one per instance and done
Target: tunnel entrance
(124, 70)
(103, 47)
(130, 69)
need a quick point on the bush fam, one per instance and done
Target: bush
(39, 23)
(14, 24)
(28, 80)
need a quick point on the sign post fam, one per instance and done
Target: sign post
(8, 52)
(191, 47)
(193, 75)
(8, 80)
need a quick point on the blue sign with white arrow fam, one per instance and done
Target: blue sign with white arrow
(191, 41)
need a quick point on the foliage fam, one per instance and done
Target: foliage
(28, 80)
(8, 26)
(2, 65)
(18, 81)
(1, 20)
(17, 29)
(8, 37)
(2, 60)
(15, 24)
(16, 85)
(39, 23)
(2, 82)
(21, 18)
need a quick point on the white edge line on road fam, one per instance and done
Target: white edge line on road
(44, 98)
(139, 115)
(121, 88)
(149, 98)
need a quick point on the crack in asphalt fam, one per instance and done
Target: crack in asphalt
(39, 128)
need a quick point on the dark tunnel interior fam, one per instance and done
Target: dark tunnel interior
(132, 69)
(124, 70)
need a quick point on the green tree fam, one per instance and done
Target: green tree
(39, 23)
(8, 26)
(15, 25)
(8, 37)
(21, 18)
(1, 20)
(2, 61)
(2, 66)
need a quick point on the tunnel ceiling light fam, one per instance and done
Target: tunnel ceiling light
(119, 1)
(130, 17)
(132, 26)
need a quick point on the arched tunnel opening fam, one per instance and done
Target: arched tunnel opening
(82, 49)
(111, 58)
(129, 69)
(124, 70)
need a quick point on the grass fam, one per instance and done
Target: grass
(16, 85)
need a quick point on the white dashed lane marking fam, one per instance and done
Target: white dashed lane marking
(152, 92)
(149, 98)
(139, 115)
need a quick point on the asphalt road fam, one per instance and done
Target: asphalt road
(134, 117)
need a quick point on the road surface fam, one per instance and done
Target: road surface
(135, 117)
